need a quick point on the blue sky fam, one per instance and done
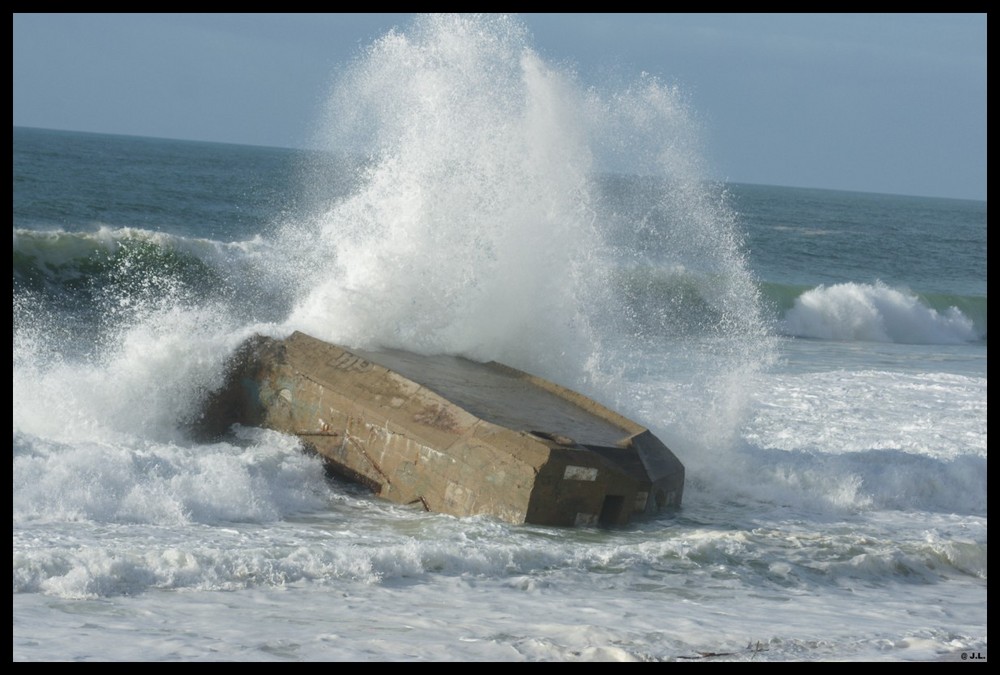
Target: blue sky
(873, 102)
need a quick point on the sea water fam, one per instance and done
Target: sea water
(817, 360)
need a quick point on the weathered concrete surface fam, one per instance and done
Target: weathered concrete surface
(449, 434)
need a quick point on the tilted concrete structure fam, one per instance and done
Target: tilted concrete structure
(451, 435)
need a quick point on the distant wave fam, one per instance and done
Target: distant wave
(880, 313)
(94, 272)
(62, 257)
(655, 299)
(663, 300)
(682, 301)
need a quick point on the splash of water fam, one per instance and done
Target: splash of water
(488, 221)
(499, 209)
(474, 226)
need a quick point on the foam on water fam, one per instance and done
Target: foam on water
(875, 312)
(262, 479)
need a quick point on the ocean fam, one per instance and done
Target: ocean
(815, 358)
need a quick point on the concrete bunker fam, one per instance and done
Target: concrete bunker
(449, 434)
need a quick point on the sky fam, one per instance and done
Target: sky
(892, 103)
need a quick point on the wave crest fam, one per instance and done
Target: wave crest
(875, 313)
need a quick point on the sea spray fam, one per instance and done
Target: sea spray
(498, 208)
(472, 230)
(481, 225)
(121, 339)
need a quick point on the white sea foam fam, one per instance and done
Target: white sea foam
(874, 312)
